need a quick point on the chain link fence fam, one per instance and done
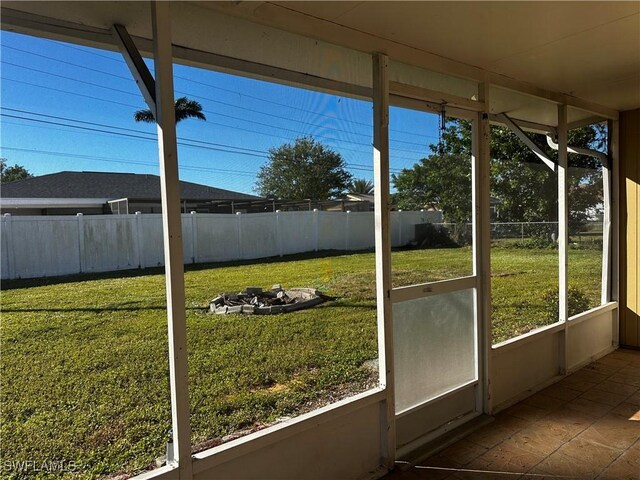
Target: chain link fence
(462, 233)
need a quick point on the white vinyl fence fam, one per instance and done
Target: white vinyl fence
(34, 246)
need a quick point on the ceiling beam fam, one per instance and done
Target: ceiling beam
(441, 98)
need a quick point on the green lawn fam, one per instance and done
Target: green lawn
(84, 360)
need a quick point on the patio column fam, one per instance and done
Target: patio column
(383, 253)
(628, 133)
(481, 141)
(172, 234)
(563, 232)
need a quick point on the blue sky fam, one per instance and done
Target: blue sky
(67, 107)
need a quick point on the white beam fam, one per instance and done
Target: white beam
(582, 151)
(612, 274)
(605, 294)
(563, 232)
(511, 125)
(411, 91)
(172, 233)
(383, 252)
(532, 127)
(481, 142)
(137, 67)
(586, 121)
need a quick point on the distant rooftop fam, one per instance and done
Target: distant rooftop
(111, 186)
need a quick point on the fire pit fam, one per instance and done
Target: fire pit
(255, 301)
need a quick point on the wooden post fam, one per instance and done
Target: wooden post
(614, 266)
(383, 253)
(563, 233)
(481, 165)
(172, 234)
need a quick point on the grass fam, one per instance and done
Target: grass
(84, 360)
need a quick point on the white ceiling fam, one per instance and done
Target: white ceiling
(586, 49)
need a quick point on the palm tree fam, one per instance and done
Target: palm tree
(361, 186)
(185, 108)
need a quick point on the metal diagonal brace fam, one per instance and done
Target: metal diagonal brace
(138, 68)
(527, 141)
(603, 157)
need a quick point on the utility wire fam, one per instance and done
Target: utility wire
(200, 96)
(217, 87)
(122, 160)
(215, 147)
(209, 122)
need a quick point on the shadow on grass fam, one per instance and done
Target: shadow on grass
(94, 309)
(143, 272)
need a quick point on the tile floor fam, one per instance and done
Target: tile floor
(587, 426)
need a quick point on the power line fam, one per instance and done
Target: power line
(218, 147)
(92, 97)
(120, 160)
(56, 117)
(217, 87)
(129, 135)
(122, 77)
(216, 101)
(216, 114)
(137, 95)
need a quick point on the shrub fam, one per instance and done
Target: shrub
(429, 235)
(577, 300)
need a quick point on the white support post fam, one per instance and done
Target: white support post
(383, 253)
(11, 256)
(81, 259)
(239, 228)
(563, 232)
(347, 231)
(140, 240)
(613, 272)
(172, 233)
(481, 165)
(194, 238)
(607, 200)
(279, 234)
(399, 217)
(316, 230)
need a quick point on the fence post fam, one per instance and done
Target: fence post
(239, 224)
(11, 257)
(194, 240)
(347, 233)
(81, 256)
(522, 231)
(279, 234)
(139, 240)
(316, 231)
(399, 227)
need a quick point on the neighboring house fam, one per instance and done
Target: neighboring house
(68, 193)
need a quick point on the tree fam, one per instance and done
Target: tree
(306, 169)
(185, 108)
(11, 174)
(361, 186)
(525, 187)
(441, 180)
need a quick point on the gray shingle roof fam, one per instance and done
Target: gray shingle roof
(109, 185)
